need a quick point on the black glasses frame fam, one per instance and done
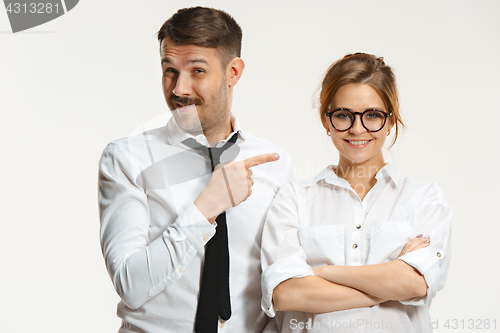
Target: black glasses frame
(330, 113)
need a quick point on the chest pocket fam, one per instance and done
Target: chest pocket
(387, 240)
(323, 245)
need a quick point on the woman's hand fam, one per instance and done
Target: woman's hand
(416, 243)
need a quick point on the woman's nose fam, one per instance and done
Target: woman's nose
(357, 127)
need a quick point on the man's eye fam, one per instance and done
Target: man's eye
(199, 71)
(170, 72)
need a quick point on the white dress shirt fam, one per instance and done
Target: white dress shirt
(153, 237)
(324, 222)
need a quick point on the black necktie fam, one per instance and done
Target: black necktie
(214, 299)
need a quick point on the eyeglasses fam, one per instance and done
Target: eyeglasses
(373, 120)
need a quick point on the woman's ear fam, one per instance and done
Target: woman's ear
(392, 122)
(234, 71)
(325, 122)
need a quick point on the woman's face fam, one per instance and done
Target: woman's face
(357, 145)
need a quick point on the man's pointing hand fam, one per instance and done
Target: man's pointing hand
(230, 185)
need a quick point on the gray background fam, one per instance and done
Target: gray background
(70, 86)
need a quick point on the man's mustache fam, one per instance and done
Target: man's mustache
(185, 100)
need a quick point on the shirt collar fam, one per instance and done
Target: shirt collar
(388, 171)
(176, 135)
(327, 174)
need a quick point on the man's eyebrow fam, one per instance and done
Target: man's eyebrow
(192, 61)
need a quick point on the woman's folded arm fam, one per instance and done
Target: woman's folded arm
(394, 280)
(315, 294)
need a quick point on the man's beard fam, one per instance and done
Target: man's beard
(196, 117)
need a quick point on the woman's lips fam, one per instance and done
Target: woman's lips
(358, 144)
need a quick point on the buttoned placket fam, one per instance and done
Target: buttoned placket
(361, 210)
(352, 248)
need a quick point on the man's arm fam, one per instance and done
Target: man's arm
(140, 269)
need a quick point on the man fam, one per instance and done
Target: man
(182, 244)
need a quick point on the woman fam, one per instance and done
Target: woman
(358, 248)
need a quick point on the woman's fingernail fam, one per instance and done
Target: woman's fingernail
(427, 236)
(419, 236)
(427, 241)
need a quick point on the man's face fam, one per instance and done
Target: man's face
(195, 87)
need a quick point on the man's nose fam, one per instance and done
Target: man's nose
(183, 85)
(357, 127)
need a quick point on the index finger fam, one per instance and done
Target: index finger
(260, 159)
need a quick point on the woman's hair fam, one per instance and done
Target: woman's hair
(362, 68)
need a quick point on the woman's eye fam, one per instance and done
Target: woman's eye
(374, 115)
(342, 115)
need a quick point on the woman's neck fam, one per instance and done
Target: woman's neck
(361, 176)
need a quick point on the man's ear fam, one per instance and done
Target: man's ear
(234, 71)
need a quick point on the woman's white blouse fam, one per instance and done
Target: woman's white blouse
(324, 222)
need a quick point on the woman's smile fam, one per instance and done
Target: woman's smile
(358, 144)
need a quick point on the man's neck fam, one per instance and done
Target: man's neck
(214, 139)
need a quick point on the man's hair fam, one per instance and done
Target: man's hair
(204, 27)
(362, 68)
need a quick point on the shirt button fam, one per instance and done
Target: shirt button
(198, 139)
(221, 325)
(181, 269)
(439, 255)
(358, 226)
(205, 238)
(354, 246)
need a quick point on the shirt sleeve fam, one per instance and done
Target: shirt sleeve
(434, 220)
(271, 326)
(282, 257)
(138, 267)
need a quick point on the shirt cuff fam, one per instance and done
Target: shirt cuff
(195, 226)
(426, 262)
(284, 269)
